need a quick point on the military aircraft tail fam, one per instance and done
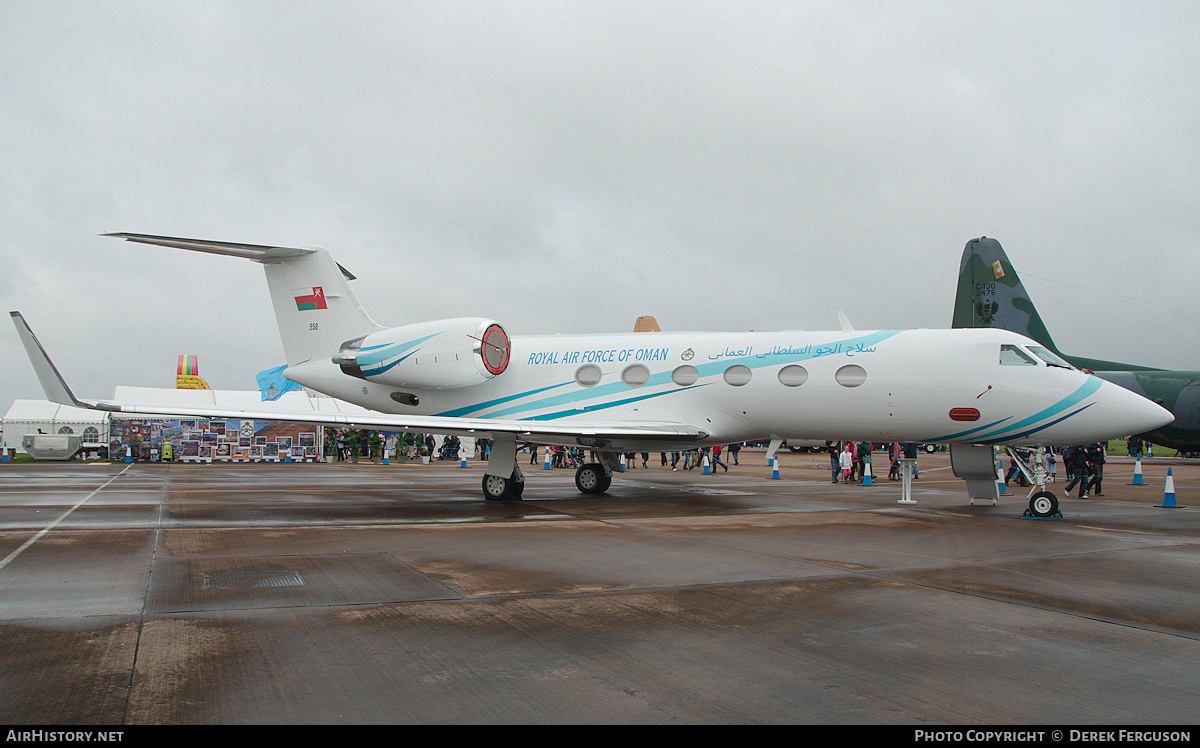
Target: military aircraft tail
(990, 294)
(314, 306)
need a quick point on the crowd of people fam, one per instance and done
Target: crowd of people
(849, 461)
(1083, 465)
(347, 445)
(691, 458)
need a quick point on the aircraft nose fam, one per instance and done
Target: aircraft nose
(1126, 412)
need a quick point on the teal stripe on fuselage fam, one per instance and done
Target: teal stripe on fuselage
(968, 432)
(371, 364)
(1086, 389)
(585, 399)
(467, 409)
(606, 405)
(1039, 428)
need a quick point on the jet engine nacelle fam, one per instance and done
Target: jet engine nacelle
(429, 355)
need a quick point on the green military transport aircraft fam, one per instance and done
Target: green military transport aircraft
(990, 294)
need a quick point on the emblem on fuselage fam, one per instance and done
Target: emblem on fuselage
(687, 355)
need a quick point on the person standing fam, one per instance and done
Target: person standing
(894, 454)
(1095, 461)
(847, 462)
(1075, 463)
(864, 459)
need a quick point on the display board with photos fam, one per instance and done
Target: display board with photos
(225, 439)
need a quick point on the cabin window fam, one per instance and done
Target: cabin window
(1049, 357)
(685, 376)
(588, 375)
(738, 375)
(851, 376)
(635, 375)
(1011, 355)
(793, 375)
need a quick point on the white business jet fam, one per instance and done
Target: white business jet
(656, 391)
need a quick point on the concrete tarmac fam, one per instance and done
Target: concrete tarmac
(330, 594)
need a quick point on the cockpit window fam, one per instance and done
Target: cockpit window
(1011, 355)
(1049, 357)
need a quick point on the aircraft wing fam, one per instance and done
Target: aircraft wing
(590, 434)
(540, 432)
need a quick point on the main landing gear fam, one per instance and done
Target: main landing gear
(496, 488)
(503, 480)
(592, 478)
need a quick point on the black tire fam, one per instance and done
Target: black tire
(496, 488)
(1043, 504)
(589, 478)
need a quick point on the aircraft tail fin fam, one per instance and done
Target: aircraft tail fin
(646, 323)
(990, 294)
(314, 307)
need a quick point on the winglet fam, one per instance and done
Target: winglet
(53, 384)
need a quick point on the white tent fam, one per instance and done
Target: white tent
(289, 402)
(42, 416)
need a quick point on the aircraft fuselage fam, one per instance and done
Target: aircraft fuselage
(914, 385)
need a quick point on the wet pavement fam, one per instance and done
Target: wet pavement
(235, 593)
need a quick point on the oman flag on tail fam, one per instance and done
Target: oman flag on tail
(309, 298)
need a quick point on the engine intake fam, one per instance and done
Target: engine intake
(429, 355)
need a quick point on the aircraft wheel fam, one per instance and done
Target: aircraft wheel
(496, 488)
(1043, 504)
(590, 478)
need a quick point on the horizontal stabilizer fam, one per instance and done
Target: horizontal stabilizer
(314, 306)
(256, 252)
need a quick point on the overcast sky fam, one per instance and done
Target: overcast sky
(566, 167)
